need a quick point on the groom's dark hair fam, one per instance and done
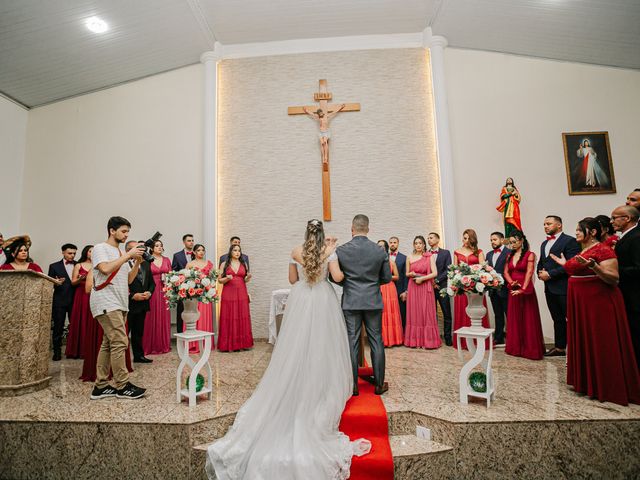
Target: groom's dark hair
(360, 223)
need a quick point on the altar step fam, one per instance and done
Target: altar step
(413, 459)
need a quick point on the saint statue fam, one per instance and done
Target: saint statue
(510, 207)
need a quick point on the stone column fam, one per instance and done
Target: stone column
(436, 44)
(209, 152)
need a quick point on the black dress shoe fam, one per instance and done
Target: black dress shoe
(555, 352)
(142, 360)
(57, 356)
(380, 389)
(448, 343)
(356, 392)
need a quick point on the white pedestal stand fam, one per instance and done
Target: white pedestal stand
(204, 340)
(476, 338)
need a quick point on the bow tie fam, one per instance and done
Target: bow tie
(497, 250)
(67, 262)
(189, 253)
(434, 251)
(394, 254)
(551, 237)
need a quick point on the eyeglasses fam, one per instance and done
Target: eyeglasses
(613, 217)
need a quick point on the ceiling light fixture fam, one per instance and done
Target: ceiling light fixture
(96, 25)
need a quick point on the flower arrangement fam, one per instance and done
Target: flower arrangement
(477, 279)
(190, 283)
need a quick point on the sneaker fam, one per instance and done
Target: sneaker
(105, 392)
(130, 391)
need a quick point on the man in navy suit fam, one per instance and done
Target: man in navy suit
(497, 258)
(401, 283)
(180, 260)
(443, 260)
(232, 242)
(63, 294)
(555, 279)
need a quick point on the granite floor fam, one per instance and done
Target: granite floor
(535, 428)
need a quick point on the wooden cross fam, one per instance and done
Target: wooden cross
(323, 115)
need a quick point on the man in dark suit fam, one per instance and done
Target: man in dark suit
(497, 258)
(625, 221)
(555, 279)
(443, 260)
(233, 241)
(140, 291)
(366, 267)
(63, 294)
(180, 260)
(401, 283)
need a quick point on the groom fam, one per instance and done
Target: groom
(366, 267)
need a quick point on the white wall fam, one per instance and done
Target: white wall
(134, 150)
(507, 117)
(13, 135)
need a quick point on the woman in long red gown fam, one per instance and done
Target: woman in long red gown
(157, 326)
(601, 362)
(470, 254)
(234, 331)
(92, 341)
(524, 326)
(421, 329)
(205, 320)
(391, 319)
(81, 312)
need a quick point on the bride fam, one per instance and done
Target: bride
(288, 429)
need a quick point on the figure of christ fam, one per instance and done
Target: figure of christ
(325, 133)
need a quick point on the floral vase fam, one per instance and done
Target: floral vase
(190, 314)
(476, 310)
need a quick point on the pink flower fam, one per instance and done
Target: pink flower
(466, 280)
(197, 279)
(192, 292)
(476, 267)
(488, 268)
(484, 280)
(199, 291)
(182, 294)
(454, 288)
(181, 279)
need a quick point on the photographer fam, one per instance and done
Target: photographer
(140, 290)
(109, 302)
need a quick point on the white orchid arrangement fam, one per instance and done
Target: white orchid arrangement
(190, 283)
(476, 279)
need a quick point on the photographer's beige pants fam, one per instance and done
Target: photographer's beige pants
(115, 343)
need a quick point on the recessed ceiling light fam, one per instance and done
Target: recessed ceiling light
(96, 25)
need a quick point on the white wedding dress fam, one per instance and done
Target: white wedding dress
(288, 428)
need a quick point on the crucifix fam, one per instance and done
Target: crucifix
(323, 115)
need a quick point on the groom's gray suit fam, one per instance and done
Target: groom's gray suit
(366, 267)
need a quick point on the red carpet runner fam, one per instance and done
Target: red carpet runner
(365, 417)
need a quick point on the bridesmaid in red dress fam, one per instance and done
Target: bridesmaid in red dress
(470, 254)
(234, 332)
(524, 326)
(391, 319)
(92, 341)
(18, 255)
(157, 326)
(205, 321)
(81, 312)
(421, 329)
(600, 359)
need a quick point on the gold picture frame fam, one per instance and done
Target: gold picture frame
(588, 162)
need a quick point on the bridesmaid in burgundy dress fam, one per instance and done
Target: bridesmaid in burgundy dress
(81, 312)
(92, 341)
(391, 319)
(470, 254)
(524, 326)
(157, 326)
(600, 358)
(205, 321)
(18, 255)
(421, 329)
(234, 332)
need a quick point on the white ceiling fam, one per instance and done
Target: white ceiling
(47, 54)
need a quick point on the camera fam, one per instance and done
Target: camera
(148, 247)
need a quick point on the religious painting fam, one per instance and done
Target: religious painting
(587, 157)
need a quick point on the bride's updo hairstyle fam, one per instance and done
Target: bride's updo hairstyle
(312, 250)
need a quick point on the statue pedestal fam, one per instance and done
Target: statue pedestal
(25, 316)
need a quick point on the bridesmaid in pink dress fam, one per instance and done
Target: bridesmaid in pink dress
(470, 254)
(524, 326)
(205, 322)
(235, 316)
(157, 326)
(81, 312)
(391, 319)
(421, 329)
